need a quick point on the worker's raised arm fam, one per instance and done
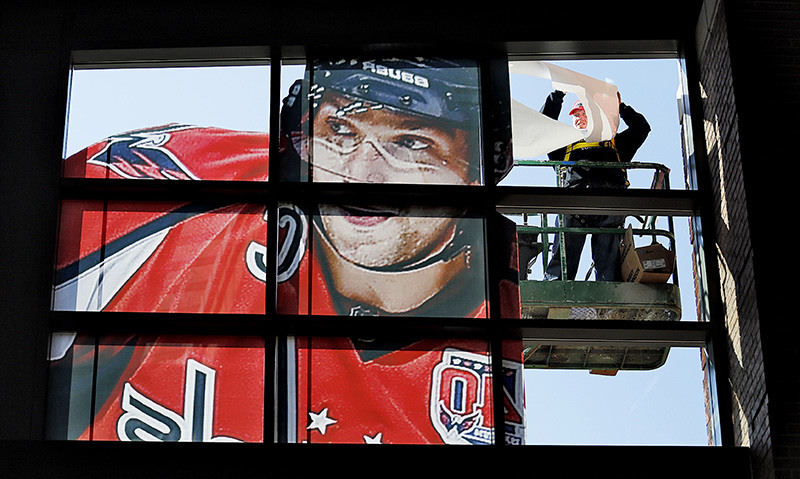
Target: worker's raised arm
(552, 105)
(632, 138)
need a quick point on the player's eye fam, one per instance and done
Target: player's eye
(340, 127)
(413, 142)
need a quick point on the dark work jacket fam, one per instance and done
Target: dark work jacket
(627, 142)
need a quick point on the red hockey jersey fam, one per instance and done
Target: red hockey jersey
(171, 257)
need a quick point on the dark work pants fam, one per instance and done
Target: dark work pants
(605, 248)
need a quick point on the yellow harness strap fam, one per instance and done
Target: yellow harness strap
(596, 144)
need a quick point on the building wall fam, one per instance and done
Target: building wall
(764, 57)
(32, 95)
(748, 53)
(733, 247)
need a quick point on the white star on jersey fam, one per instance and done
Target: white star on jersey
(377, 439)
(320, 421)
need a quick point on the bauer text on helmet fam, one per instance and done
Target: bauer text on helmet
(396, 121)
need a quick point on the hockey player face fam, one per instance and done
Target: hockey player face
(362, 142)
(378, 237)
(358, 141)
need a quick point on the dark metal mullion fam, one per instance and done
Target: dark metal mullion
(519, 199)
(491, 69)
(163, 190)
(717, 349)
(508, 199)
(668, 332)
(273, 390)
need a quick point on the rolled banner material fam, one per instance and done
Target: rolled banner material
(598, 97)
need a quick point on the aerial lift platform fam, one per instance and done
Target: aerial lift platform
(594, 300)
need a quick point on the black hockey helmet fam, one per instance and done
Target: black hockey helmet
(437, 88)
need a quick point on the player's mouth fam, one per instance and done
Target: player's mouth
(361, 216)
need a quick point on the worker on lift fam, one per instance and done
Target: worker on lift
(621, 148)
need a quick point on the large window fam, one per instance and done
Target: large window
(590, 392)
(350, 250)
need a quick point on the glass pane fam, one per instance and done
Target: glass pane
(617, 267)
(550, 127)
(148, 256)
(394, 392)
(173, 388)
(187, 123)
(69, 391)
(397, 261)
(619, 396)
(385, 121)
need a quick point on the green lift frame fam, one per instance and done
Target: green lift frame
(594, 300)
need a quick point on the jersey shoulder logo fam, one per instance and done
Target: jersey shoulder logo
(460, 404)
(460, 391)
(143, 154)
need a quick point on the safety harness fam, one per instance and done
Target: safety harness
(581, 145)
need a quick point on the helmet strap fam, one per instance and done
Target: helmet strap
(391, 291)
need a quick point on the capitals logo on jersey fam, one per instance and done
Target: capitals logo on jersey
(461, 406)
(142, 154)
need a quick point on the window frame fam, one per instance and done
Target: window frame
(484, 201)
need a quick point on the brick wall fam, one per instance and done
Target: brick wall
(765, 48)
(733, 246)
(750, 72)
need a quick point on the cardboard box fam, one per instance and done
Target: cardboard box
(647, 264)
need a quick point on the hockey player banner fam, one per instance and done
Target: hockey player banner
(141, 112)
(332, 260)
(197, 258)
(159, 153)
(149, 257)
(384, 121)
(420, 117)
(165, 388)
(421, 392)
(389, 260)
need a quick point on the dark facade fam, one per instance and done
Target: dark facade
(742, 59)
